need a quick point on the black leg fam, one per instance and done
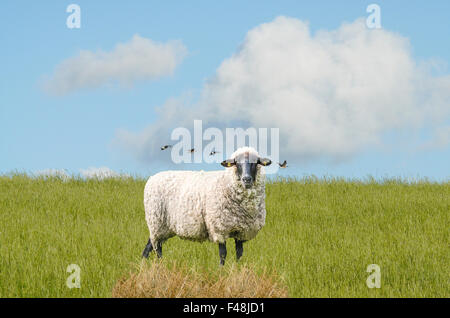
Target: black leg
(147, 250)
(222, 252)
(159, 249)
(239, 248)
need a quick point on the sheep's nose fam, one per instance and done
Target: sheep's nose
(247, 179)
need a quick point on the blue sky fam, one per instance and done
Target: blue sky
(76, 131)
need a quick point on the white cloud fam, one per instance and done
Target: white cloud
(50, 173)
(100, 173)
(332, 93)
(138, 59)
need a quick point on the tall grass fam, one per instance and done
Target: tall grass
(320, 236)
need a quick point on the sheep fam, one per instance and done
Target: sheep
(214, 206)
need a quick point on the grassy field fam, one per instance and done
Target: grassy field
(319, 238)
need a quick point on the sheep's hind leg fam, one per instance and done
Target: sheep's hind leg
(147, 250)
(239, 248)
(222, 252)
(159, 249)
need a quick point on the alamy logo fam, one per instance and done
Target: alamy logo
(374, 19)
(374, 279)
(74, 279)
(220, 147)
(73, 20)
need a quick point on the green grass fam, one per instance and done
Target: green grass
(320, 236)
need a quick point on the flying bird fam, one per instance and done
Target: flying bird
(283, 165)
(165, 147)
(192, 150)
(213, 153)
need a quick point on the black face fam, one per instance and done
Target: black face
(246, 167)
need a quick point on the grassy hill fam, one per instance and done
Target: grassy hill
(319, 238)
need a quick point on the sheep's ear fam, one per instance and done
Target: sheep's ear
(228, 163)
(264, 161)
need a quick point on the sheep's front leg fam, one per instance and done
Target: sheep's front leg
(239, 248)
(148, 248)
(222, 252)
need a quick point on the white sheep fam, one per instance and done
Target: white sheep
(216, 205)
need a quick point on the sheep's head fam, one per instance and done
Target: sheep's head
(246, 161)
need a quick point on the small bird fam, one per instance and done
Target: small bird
(191, 150)
(283, 165)
(165, 147)
(213, 153)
